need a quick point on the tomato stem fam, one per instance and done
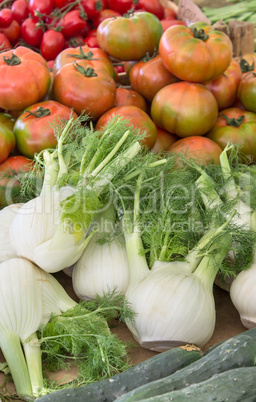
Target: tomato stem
(200, 34)
(12, 61)
(40, 112)
(245, 66)
(231, 121)
(87, 72)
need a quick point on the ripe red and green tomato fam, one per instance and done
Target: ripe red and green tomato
(85, 89)
(202, 150)
(127, 96)
(7, 142)
(10, 169)
(33, 129)
(137, 118)
(194, 59)
(131, 37)
(164, 141)
(246, 92)
(239, 128)
(149, 75)
(224, 88)
(185, 109)
(15, 93)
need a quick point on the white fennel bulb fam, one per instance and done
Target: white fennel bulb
(36, 232)
(103, 266)
(6, 217)
(243, 296)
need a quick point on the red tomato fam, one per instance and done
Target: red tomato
(131, 37)
(164, 140)
(12, 32)
(6, 17)
(42, 7)
(20, 10)
(121, 6)
(25, 78)
(201, 149)
(169, 12)
(246, 92)
(85, 89)
(149, 75)
(30, 32)
(4, 43)
(52, 44)
(127, 96)
(72, 23)
(7, 120)
(61, 3)
(11, 170)
(224, 88)
(193, 54)
(104, 14)
(33, 129)
(185, 109)
(93, 8)
(167, 23)
(236, 126)
(74, 41)
(7, 142)
(152, 6)
(91, 39)
(137, 119)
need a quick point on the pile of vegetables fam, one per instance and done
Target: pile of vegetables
(144, 195)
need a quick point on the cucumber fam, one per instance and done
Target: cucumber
(231, 386)
(108, 390)
(233, 353)
(249, 332)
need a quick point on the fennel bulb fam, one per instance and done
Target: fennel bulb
(6, 216)
(103, 266)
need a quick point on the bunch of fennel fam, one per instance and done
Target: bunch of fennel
(172, 273)
(52, 230)
(39, 321)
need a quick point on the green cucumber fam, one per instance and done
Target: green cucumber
(233, 353)
(231, 386)
(108, 390)
(249, 332)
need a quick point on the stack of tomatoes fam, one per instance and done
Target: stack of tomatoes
(184, 89)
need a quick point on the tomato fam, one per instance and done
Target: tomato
(91, 38)
(85, 89)
(4, 43)
(72, 23)
(25, 78)
(137, 119)
(31, 33)
(121, 6)
(246, 92)
(20, 10)
(152, 6)
(95, 56)
(193, 54)
(169, 12)
(74, 41)
(149, 75)
(52, 44)
(224, 88)
(12, 32)
(185, 109)
(61, 3)
(33, 129)
(93, 8)
(7, 120)
(127, 96)
(236, 126)
(7, 142)
(167, 23)
(12, 169)
(201, 149)
(164, 140)
(248, 63)
(41, 7)
(131, 37)
(6, 17)
(104, 14)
